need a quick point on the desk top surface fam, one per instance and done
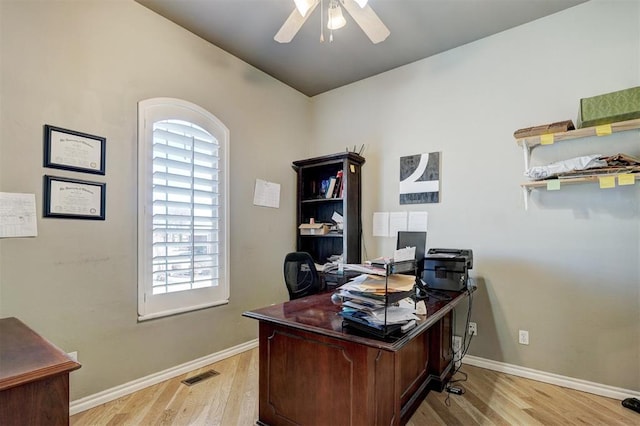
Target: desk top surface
(317, 314)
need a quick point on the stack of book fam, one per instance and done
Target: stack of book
(332, 187)
(377, 304)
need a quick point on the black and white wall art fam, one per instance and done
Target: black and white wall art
(420, 178)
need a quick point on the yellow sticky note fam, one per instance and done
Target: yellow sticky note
(603, 130)
(553, 185)
(626, 179)
(607, 182)
(546, 139)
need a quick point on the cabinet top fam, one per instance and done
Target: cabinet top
(25, 356)
(331, 158)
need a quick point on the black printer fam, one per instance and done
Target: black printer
(447, 269)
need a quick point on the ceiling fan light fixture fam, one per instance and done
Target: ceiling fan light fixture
(336, 19)
(303, 6)
(362, 3)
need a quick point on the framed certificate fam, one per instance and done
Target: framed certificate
(74, 199)
(71, 150)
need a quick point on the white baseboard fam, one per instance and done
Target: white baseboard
(554, 379)
(107, 395)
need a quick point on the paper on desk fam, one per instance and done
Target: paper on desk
(394, 315)
(407, 253)
(365, 269)
(374, 283)
(362, 300)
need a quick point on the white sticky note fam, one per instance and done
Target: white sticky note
(546, 139)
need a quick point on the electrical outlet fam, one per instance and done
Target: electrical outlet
(473, 328)
(456, 344)
(74, 355)
(523, 337)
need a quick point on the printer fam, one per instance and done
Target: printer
(447, 269)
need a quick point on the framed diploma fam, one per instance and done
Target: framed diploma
(74, 199)
(71, 150)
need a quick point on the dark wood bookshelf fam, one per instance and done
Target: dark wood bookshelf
(313, 203)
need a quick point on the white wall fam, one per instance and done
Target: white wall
(567, 269)
(84, 66)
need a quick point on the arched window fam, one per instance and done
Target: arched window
(183, 250)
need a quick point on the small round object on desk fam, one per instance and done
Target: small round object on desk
(336, 299)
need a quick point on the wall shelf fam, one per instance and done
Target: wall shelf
(621, 126)
(569, 181)
(531, 142)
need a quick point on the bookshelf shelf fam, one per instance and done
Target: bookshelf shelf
(322, 200)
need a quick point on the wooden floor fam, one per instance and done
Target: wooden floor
(231, 398)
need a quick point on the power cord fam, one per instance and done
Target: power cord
(458, 356)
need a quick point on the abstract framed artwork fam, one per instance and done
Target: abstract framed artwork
(420, 178)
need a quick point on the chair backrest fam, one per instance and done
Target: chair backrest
(300, 275)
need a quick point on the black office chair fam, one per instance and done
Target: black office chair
(300, 275)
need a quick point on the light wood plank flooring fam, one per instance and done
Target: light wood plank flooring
(231, 399)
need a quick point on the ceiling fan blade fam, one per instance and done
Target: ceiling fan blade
(372, 26)
(292, 25)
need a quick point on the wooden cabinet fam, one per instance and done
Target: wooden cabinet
(34, 377)
(314, 371)
(315, 203)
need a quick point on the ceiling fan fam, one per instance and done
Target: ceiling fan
(359, 10)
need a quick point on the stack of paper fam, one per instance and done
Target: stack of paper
(366, 300)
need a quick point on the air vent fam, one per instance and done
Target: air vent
(200, 377)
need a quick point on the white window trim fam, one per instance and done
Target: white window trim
(154, 306)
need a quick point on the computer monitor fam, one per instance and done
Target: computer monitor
(415, 239)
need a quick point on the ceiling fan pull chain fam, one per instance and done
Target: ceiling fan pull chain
(321, 21)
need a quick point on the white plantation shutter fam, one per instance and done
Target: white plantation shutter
(183, 254)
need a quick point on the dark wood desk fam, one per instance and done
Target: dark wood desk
(315, 372)
(34, 377)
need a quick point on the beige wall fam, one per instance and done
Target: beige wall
(568, 269)
(84, 66)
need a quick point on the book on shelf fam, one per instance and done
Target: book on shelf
(331, 187)
(337, 192)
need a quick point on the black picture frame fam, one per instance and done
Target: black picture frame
(73, 198)
(76, 151)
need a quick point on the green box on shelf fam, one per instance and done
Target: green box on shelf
(611, 107)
